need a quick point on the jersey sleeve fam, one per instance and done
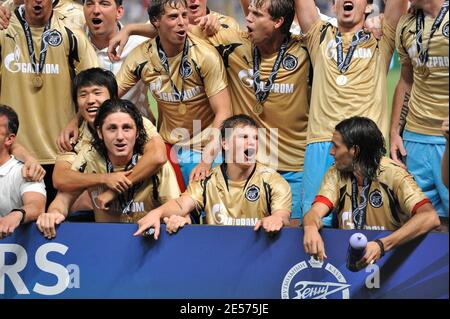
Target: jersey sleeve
(408, 193)
(281, 194)
(329, 189)
(86, 53)
(168, 186)
(399, 41)
(212, 71)
(312, 39)
(195, 191)
(131, 69)
(387, 43)
(150, 128)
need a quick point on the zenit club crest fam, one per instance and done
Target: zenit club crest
(252, 194)
(376, 199)
(445, 30)
(297, 283)
(53, 38)
(290, 62)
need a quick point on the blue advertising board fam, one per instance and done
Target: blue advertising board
(91, 260)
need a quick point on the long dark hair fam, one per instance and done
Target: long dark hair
(115, 106)
(366, 137)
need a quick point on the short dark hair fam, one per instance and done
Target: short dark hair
(156, 8)
(278, 9)
(11, 115)
(95, 76)
(368, 140)
(124, 106)
(235, 121)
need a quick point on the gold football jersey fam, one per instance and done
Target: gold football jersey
(148, 194)
(43, 112)
(206, 78)
(361, 91)
(285, 111)
(226, 21)
(393, 197)
(428, 105)
(243, 203)
(72, 10)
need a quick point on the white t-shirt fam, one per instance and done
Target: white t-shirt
(138, 93)
(13, 186)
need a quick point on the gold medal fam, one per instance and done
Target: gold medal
(258, 108)
(341, 80)
(182, 108)
(37, 81)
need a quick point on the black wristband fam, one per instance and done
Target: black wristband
(380, 243)
(24, 213)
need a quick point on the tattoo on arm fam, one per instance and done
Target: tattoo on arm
(404, 113)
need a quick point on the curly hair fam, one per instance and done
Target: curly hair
(116, 106)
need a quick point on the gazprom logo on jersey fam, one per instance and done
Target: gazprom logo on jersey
(14, 259)
(246, 78)
(298, 283)
(13, 64)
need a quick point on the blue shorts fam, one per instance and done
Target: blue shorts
(295, 180)
(188, 159)
(424, 155)
(317, 162)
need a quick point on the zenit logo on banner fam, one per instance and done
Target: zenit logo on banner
(66, 276)
(297, 286)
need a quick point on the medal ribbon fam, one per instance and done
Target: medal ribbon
(344, 64)
(262, 89)
(420, 26)
(125, 203)
(184, 69)
(37, 68)
(359, 211)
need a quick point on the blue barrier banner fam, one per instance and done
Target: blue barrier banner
(89, 260)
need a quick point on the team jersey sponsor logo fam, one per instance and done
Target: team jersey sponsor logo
(14, 65)
(246, 78)
(360, 53)
(376, 199)
(433, 61)
(220, 217)
(297, 283)
(156, 88)
(290, 62)
(253, 193)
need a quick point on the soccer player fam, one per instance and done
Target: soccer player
(90, 89)
(269, 72)
(350, 72)
(71, 9)
(422, 94)
(118, 144)
(39, 55)
(20, 201)
(188, 81)
(238, 192)
(367, 191)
